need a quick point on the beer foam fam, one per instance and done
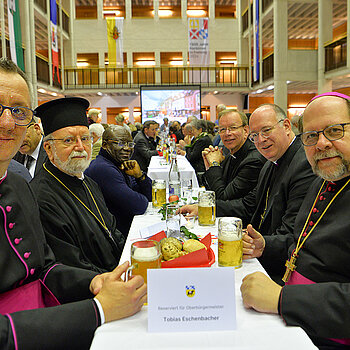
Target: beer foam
(229, 236)
(146, 254)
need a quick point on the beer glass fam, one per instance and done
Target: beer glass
(230, 245)
(206, 208)
(145, 255)
(158, 193)
(173, 220)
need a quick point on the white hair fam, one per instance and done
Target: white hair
(97, 129)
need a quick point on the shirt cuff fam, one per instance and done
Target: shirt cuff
(100, 309)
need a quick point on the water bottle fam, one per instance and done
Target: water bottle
(174, 178)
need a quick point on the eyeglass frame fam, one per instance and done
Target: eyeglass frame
(123, 143)
(76, 140)
(231, 128)
(322, 132)
(12, 108)
(256, 134)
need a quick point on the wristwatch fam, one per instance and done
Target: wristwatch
(215, 163)
(142, 177)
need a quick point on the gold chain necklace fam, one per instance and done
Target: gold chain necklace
(102, 222)
(290, 264)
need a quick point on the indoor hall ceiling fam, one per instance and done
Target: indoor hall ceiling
(303, 20)
(192, 3)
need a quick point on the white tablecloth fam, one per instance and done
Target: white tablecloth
(159, 171)
(254, 330)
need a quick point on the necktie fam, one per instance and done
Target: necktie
(30, 160)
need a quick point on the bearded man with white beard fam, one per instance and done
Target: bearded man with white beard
(78, 226)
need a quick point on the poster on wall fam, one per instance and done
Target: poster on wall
(198, 48)
(256, 72)
(115, 41)
(54, 43)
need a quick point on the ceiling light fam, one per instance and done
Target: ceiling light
(82, 64)
(164, 13)
(259, 91)
(228, 62)
(53, 94)
(215, 92)
(43, 91)
(176, 63)
(111, 12)
(145, 63)
(99, 93)
(270, 87)
(196, 13)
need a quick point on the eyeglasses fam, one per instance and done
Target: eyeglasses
(264, 132)
(72, 140)
(123, 144)
(229, 128)
(21, 115)
(331, 133)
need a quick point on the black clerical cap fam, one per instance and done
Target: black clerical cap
(62, 112)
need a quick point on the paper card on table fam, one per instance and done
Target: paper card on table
(188, 300)
(148, 231)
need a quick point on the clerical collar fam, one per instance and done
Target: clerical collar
(280, 160)
(3, 176)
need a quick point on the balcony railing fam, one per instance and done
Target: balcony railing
(133, 77)
(335, 55)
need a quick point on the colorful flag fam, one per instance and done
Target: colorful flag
(256, 72)
(14, 21)
(198, 47)
(54, 42)
(115, 41)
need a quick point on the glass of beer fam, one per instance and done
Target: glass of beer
(230, 245)
(206, 208)
(145, 255)
(158, 193)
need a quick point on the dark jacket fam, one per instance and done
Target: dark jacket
(42, 158)
(237, 175)
(125, 196)
(145, 148)
(25, 257)
(288, 182)
(194, 152)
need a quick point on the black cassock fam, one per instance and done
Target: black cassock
(75, 235)
(321, 309)
(26, 257)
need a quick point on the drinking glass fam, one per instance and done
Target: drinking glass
(158, 193)
(145, 255)
(230, 246)
(206, 208)
(173, 220)
(186, 188)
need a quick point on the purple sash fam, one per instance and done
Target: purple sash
(34, 295)
(297, 278)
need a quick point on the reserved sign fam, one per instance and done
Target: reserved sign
(188, 300)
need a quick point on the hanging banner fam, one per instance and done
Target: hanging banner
(15, 35)
(54, 42)
(115, 41)
(256, 72)
(198, 48)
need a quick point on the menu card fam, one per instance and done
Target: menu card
(191, 299)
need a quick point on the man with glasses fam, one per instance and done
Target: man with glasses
(316, 294)
(236, 174)
(270, 209)
(125, 187)
(31, 279)
(32, 154)
(78, 226)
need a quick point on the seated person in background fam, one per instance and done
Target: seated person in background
(146, 142)
(236, 174)
(188, 135)
(138, 127)
(31, 153)
(177, 130)
(316, 295)
(271, 207)
(96, 131)
(27, 263)
(200, 141)
(211, 129)
(78, 226)
(126, 189)
(120, 120)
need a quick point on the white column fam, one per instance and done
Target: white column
(61, 42)
(2, 20)
(131, 114)
(101, 64)
(184, 63)
(183, 10)
(157, 71)
(260, 43)
(325, 34)
(212, 11)
(130, 64)
(128, 10)
(250, 34)
(156, 8)
(33, 77)
(280, 31)
(99, 9)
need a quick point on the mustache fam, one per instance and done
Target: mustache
(78, 154)
(327, 154)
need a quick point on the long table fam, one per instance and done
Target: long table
(159, 170)
(254, 330)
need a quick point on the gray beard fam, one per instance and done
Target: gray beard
(73, 167)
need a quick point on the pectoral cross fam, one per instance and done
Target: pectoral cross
(290, 267)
